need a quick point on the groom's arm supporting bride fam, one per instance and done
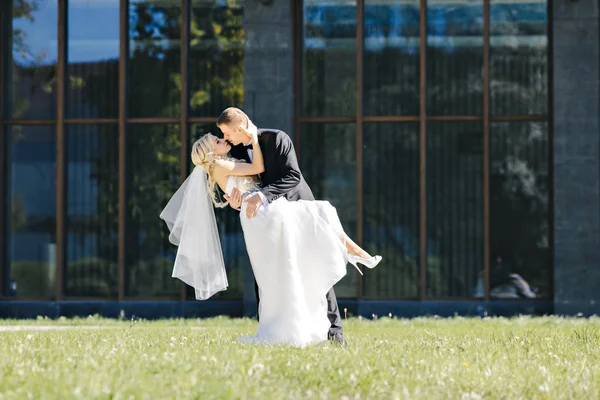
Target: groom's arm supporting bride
(286, 163)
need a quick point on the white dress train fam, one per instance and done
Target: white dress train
(297, 254)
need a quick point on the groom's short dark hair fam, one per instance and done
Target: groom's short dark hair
(231, 114)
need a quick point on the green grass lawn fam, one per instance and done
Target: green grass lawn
(522, 358)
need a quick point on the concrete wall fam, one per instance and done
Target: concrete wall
(576, 46)
(268, 64)
(268, 82)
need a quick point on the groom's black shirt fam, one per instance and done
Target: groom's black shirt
(282, 176)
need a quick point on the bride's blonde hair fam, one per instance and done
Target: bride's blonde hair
(203, 155)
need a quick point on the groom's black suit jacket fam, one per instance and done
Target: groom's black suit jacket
(282, 176)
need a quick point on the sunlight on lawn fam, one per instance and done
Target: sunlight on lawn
(521, 358)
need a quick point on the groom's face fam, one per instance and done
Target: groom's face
(232, 133)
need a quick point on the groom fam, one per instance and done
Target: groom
(281, 178)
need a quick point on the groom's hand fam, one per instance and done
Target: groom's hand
(235, 201)
(253, 204)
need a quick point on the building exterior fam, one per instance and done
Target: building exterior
(458, 139)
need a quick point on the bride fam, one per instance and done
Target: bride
(298, 249)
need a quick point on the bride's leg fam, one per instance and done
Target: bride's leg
(355, 249)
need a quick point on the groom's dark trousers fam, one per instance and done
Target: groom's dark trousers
(282, 178)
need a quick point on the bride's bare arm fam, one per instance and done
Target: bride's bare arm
(244, 169)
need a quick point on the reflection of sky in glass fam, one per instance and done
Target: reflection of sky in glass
(156, 41)
(93, 32)
(39, 36)
(450, 24)
(33, 170)
(94, 26)
(392, 26)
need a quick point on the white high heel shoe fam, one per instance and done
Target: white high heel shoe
(367, 262)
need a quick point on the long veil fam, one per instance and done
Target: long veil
(190, 217)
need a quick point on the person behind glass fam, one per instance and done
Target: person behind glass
(297, 246)
(506, 284)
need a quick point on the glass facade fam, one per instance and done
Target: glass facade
(426, 123)
(101, 102)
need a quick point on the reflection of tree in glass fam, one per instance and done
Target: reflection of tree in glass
(93, 272)
(154, 81)
(18, 217)
(519, 201)
(329, 82)
(28, 67)
(217, 55)
(391, 208)
(153, 150)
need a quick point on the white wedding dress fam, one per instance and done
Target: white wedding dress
(297, 254)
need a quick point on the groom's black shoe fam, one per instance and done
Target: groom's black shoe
(337, 338)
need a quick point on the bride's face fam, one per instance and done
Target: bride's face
(221, 147)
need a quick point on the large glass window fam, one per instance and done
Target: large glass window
(391, 208)
(329, 59)
(328, 163)
(393, 127)
(154, 64)
(216, 56)
(391, 57)
(32, 47)
(454, 208)
(455, 57)
(519, 212)
(92, 211)
(112, 156)
(32, 211)
(152, 178)
(518, 58)
(93, 59)
(438, 193)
